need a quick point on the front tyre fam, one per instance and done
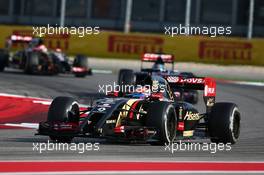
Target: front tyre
(162, 117)
(63, 109)
(224, 123)
(126, 77)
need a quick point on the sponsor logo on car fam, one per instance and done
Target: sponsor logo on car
(209, 91)
(175, 79)
(187, 133)
(110, 121)
(104, 105)
(191, 116)
(210, 102)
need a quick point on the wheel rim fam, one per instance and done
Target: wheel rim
(73, 113)
(236, 125)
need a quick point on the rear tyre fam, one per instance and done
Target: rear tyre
(162, 117)
(81, 61)
(126, 77)
(63, 109)
(224, 123)
(4, 57)
(32, 62)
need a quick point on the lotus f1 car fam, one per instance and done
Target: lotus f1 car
(151, 115)
(128, 76)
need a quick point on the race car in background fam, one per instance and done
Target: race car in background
(35, 58)
(150, 115)
(129, 77)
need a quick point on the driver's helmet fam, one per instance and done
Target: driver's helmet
(36, 42)
(159, 65)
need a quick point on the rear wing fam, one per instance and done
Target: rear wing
(17, 39)
(206, 84)
(20, 38)
(153, 57)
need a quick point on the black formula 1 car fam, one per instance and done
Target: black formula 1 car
(149, 113)
(35, 58)
(128, 76)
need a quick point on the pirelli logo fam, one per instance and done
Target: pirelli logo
(128, 44)
(225, 50)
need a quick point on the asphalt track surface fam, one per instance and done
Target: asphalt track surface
(17, 144)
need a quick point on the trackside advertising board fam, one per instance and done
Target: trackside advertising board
(218, 50)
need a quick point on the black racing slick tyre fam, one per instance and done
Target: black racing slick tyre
(4, 57)
(126, 77)
(63, 109)
(162, 117)
(82, 62)
(32, 62)
(224, 123)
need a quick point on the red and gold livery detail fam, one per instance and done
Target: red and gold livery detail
(207, 84)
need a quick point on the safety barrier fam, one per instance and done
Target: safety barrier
(219, 50)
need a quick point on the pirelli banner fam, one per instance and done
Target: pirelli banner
(189, 48)
(118, 45)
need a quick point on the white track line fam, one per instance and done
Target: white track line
(100, 71)
(249, 83)
(23, 125)
(44, 101)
